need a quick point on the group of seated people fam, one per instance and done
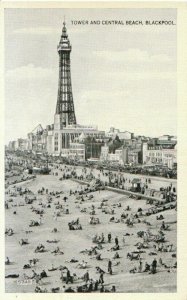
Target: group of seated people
(40, 248)
(98, 239)
(90, 286)
(9, 231)
(43, 274)
(57, 251)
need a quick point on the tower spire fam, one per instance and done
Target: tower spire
(64, 30)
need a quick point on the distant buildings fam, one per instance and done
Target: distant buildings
(37, 140)
(12, 146)
(125, 135)
(19, 144)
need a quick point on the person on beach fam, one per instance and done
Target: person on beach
(116, 241)
(101, 278)
(110, 267)
(86, 276)
(154, 266)
(68, 276)
(140, 266)
(109, 237)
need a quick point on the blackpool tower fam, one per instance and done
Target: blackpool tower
(65, 112)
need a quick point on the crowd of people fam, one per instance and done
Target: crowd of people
(142, 247)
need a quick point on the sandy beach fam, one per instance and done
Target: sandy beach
(73, 242)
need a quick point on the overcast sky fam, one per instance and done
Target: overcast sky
(122, 76)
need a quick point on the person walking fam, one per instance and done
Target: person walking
(116, 241)
(68, 276)
(140, 265)
(101, 279)
(86, 276)
(110, 267)
(109, 237)
(154, 266)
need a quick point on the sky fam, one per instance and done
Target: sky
(123, 76)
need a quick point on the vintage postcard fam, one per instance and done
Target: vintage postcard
(94, 118)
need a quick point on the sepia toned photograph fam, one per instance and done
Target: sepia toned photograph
(90, 150)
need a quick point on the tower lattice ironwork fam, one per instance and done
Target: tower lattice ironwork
(65, 105)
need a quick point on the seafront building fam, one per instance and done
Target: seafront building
(162, 150)
(157, 151)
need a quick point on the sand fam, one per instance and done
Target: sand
(72, 242)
